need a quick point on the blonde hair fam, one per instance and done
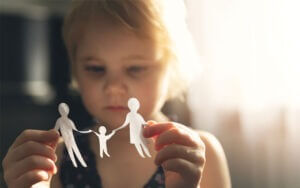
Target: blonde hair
(162, 21)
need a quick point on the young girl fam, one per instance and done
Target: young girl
(121, 49)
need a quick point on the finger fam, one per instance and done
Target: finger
(151, 122)
(174, 151)
(178, 136)
(11, 156)
(156, 129)
(33, 148)
(187, 170)
(31, 163)
(30, 178)
(27, 149)
(37, 135)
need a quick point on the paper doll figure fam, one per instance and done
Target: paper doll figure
(103, 139)
(136, 122)
(66, 127)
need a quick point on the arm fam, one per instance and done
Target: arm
(144, 123)
(85, 132)
(110, 135)
(216, 172)
(124, 124)
(73, 125)
(96, 134)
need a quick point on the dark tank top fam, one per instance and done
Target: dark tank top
(80, 177)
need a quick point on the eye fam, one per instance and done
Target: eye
(136, 69)
(95, 68)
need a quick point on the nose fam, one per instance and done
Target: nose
(115, 85)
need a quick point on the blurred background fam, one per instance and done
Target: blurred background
(247, 94)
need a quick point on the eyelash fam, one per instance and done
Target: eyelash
(132, 70)
(96, 69)
(136, 69)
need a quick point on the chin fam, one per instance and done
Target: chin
(112, 119)
(112, 123)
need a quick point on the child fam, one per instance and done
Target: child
(121, 49)
(103, 140)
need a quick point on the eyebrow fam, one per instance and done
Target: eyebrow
(91, 58)
(126, 58)
(135, 57)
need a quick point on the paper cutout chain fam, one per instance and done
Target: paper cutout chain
(133, 119)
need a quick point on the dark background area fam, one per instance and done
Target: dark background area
(22, 108)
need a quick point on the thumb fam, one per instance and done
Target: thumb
(54, 140)
(151, 122)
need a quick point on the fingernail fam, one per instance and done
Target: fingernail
(55, 169)
(151, 122)
(57, 133)
(55, 157)
(43, 174)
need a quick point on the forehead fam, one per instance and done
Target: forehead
(105, 38)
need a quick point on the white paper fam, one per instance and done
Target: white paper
(66, 127)
(103, 140)
(136, 123)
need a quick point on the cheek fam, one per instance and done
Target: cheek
(164, 84)
(154, 94)
(89, 92)
(85, 83)
(161, 83)
(91, 101)
(77, 75)
(162, 90)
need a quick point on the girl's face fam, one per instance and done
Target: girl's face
(112, 65)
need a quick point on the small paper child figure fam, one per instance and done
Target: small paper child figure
(136, 122)
(103, 140)
(66, 127)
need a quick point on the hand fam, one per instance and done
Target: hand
(181, 153)
(31, 159)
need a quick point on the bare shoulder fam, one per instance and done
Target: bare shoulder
(211, 142)
(55, 182)
(216, 172)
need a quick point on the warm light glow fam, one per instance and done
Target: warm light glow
(175, 19)
(250, 87)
